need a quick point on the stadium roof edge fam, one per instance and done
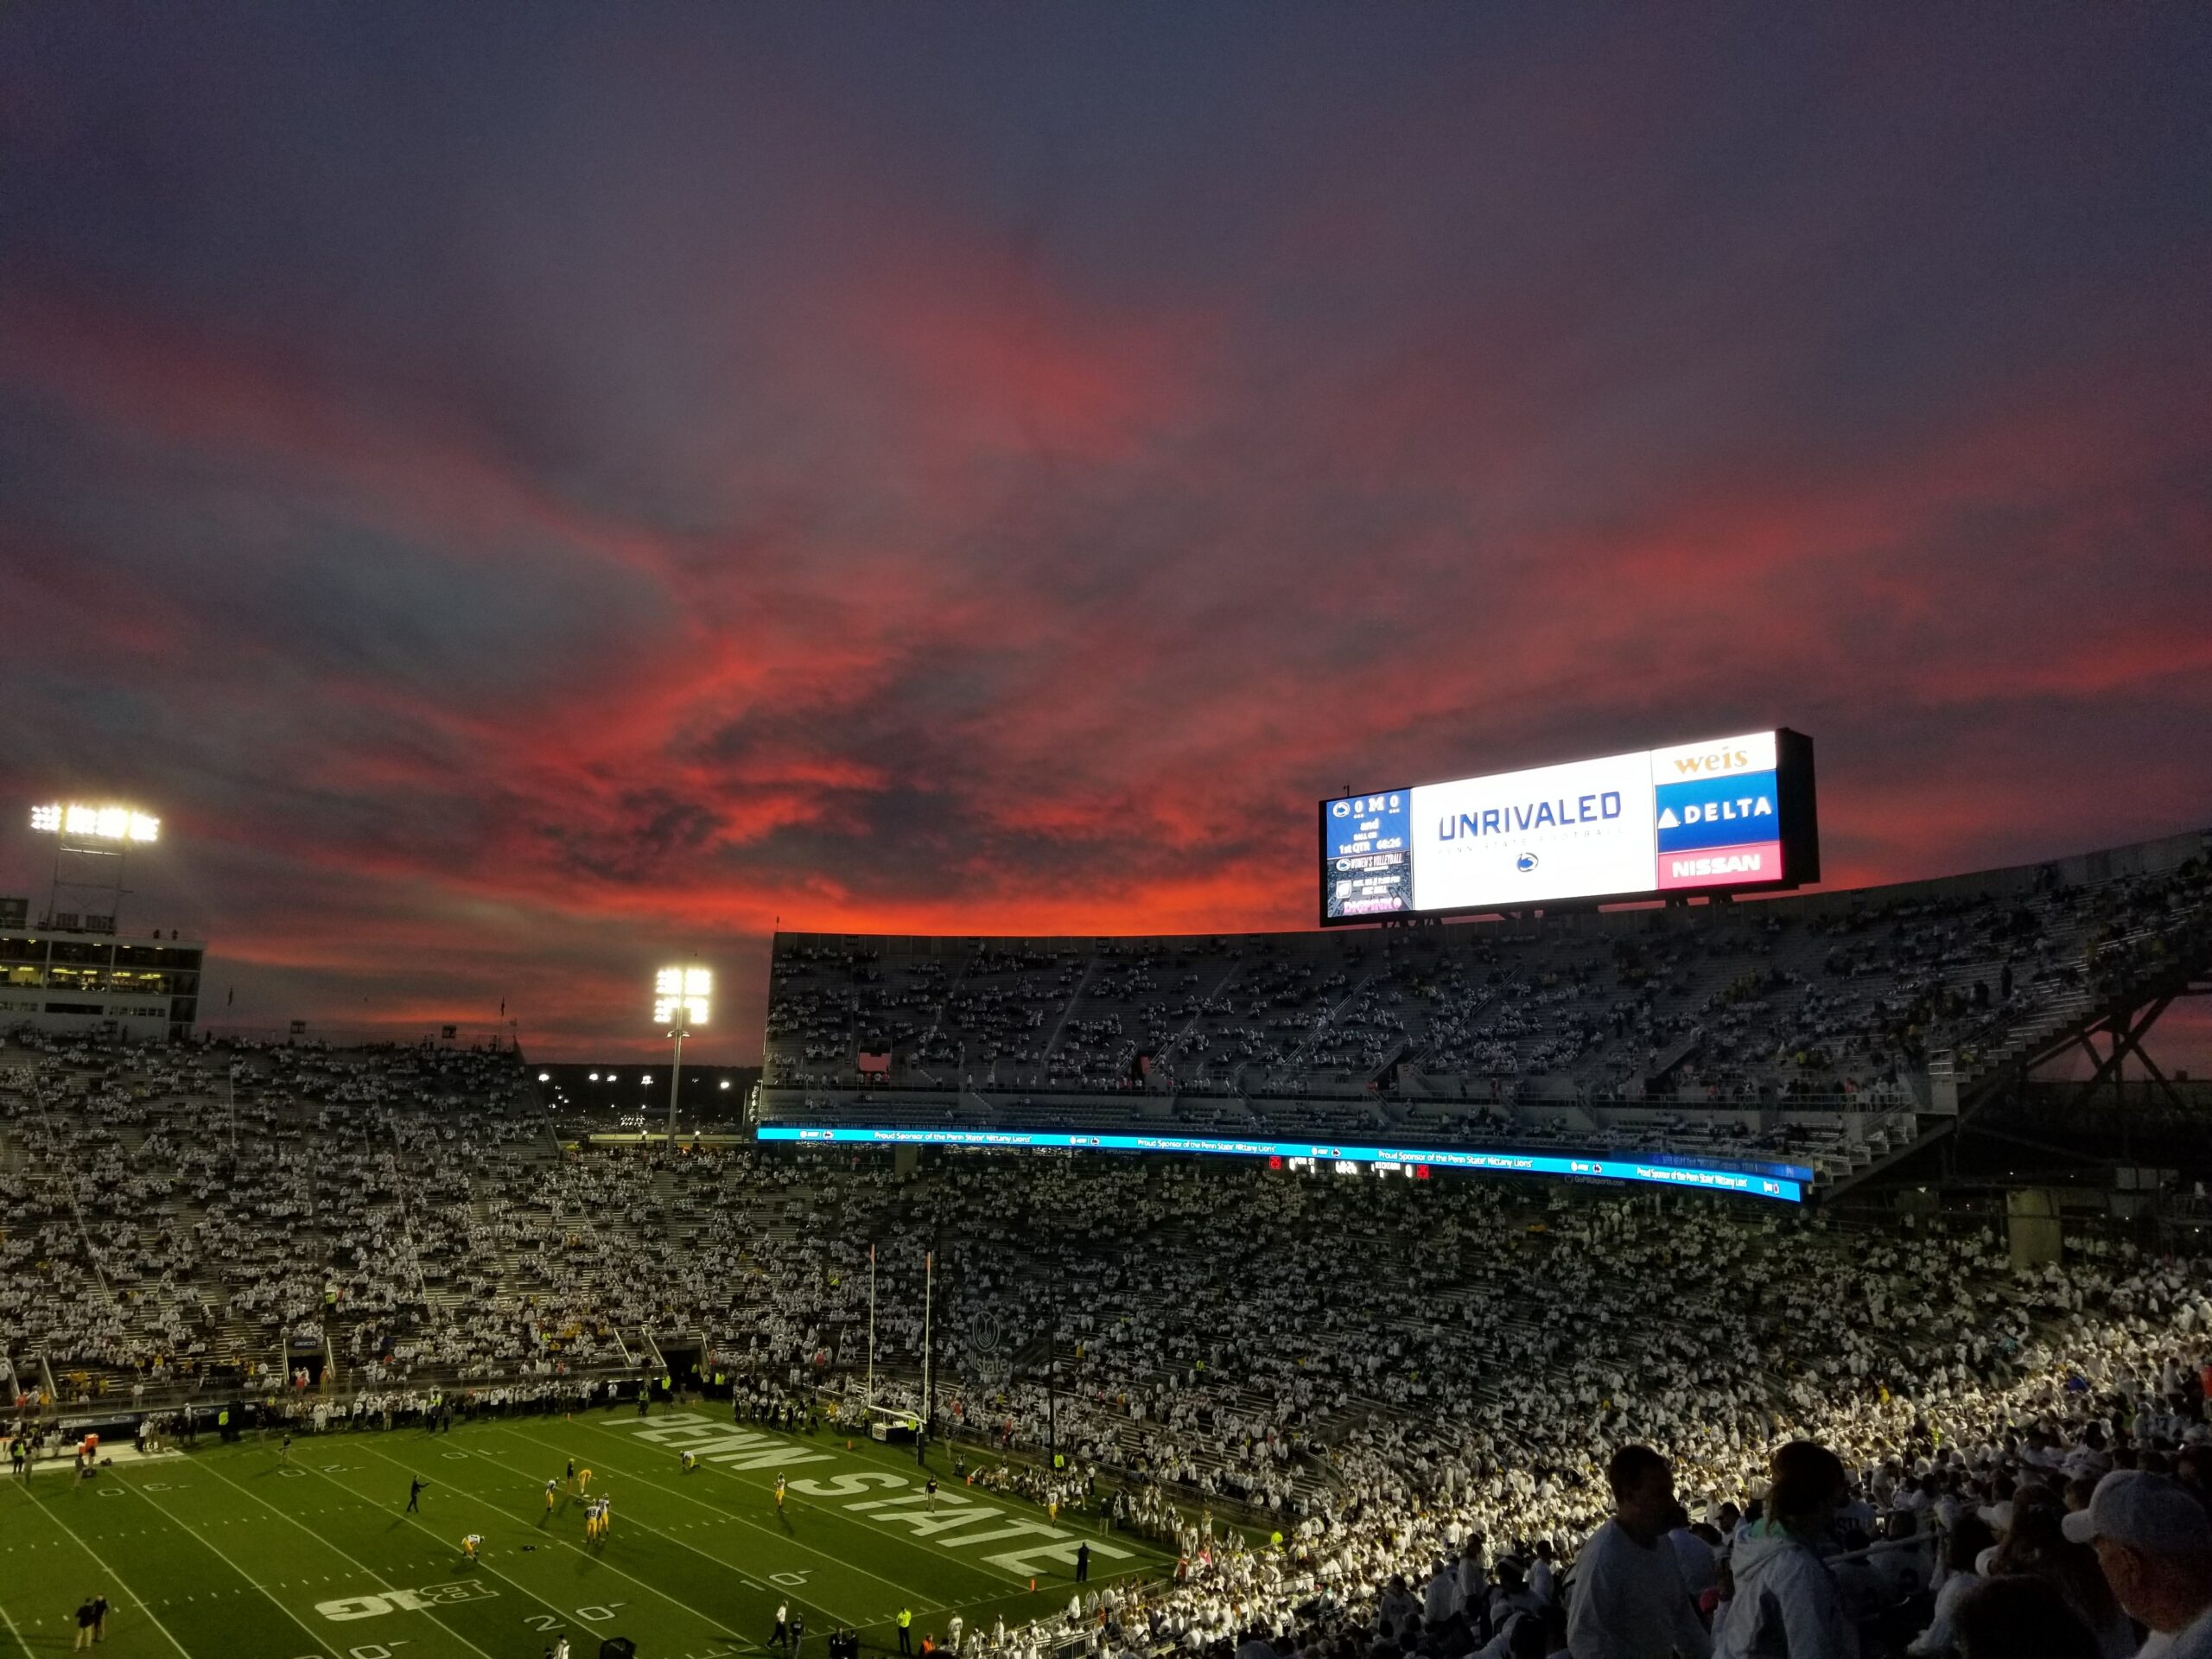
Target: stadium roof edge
(2150, 856)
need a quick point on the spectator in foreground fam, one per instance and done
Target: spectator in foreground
(2036, 1548)
(1628, 1599)
(1785, 1606)
(2021, 1617)
(2154, 1542)
(1965, 1545)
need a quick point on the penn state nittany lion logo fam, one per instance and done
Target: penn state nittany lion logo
(987, 1359)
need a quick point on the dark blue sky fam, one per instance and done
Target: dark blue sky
(524, 490)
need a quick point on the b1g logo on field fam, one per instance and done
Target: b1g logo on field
(404, 1601)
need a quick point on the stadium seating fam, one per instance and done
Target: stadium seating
(1830, 1028)
(1380, 1363)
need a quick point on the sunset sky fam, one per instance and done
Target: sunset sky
(527, 492)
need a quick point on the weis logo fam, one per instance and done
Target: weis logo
(1713, 760)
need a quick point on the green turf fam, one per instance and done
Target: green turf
(229, 1553)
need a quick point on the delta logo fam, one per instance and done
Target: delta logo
(1722, 811)
(1715, 812)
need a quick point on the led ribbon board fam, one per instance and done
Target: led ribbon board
(1783, 1182)
(1728, 814)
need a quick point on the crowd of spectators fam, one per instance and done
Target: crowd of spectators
(1832, 997)
(1412, 1396)
(1381, 1369)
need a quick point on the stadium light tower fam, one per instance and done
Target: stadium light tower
(90, 842)
(680, 1001)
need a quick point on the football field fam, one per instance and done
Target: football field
(231, 1551)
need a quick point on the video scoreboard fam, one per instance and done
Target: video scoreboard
(1727, 814)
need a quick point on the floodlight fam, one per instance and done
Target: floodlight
(680, 1000)
(545, 1076)
(646, 1080)
(595, 1076)
(680, 995)
(95, 822)
(725, 1082)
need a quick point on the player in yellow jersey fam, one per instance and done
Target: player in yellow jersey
(468, 1547)
(583, 1480)
(779, 1494)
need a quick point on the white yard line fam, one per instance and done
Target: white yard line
(721, 1625)
(364, 1567)
(18, 1634)
(121, 1582)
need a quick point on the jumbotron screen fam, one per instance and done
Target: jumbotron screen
(1724, 815)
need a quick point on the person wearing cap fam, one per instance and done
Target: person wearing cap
(2154, 1542)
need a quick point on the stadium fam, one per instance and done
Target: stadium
(1256, 831)
(1051, 1293)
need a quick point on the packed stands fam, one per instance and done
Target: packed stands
(1402, 1376)
(1831, 1027)
(1383, 1368)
